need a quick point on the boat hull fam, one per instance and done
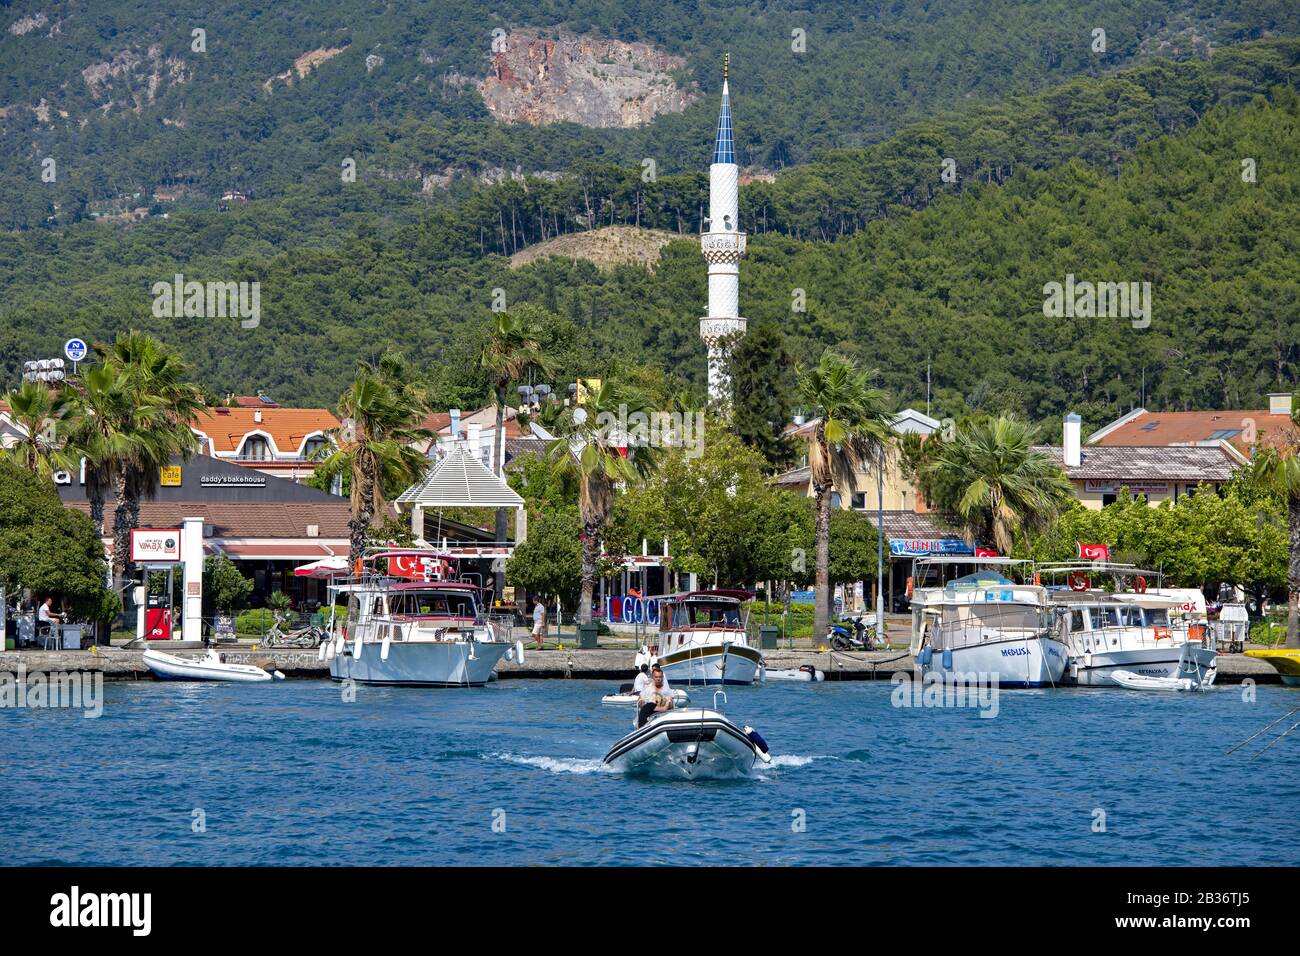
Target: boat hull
(1286, 661)
(1190, 662)
(685, 745)
(703, 665)
(1016, 662)
(420, 665)
(169, 667)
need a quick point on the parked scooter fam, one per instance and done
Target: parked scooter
(851, 634)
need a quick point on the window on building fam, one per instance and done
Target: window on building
(257, 448)
(859, 500)
(1109, 500)
(1223, 434)
(1150, 426)
(312, 447)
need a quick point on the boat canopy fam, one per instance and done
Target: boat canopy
(719, 595)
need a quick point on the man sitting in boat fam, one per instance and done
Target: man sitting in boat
(656, 696)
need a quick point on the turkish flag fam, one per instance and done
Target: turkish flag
(1094, 552)
(409, 566)
(986, 553)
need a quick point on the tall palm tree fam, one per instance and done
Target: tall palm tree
(381, 410)
(852, 431)
(100, 430)
(595, 450)
(1279, 468)
(164, 406)
(510, 353)
(990, 478)
(39, 412)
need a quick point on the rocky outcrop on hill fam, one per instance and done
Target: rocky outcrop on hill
(133, 79)
(587, 80)
(607, 247)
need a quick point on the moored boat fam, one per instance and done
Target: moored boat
(211, 666)
(411, 632)
(703, 639)
(1286, 661)
(984, 626)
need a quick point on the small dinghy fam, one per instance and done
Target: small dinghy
(624, 695)
(806, 673)
(1138, 682)
(211, 666)
(690, 744)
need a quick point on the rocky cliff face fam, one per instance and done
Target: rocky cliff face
(595, 82)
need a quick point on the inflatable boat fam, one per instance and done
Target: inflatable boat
(211, 666)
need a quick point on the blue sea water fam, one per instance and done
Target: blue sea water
(288, 773)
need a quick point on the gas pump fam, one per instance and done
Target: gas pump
(156, 620)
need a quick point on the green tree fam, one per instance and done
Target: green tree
(382, 411)
(38, 410)
(990, 479)
(549, 561)
(595, 451)
(1279, 468)
(510, 353)
(758, 367)
(49, 548)
(852, 430)
(223, 584)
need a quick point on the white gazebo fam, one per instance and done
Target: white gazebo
(462, 481)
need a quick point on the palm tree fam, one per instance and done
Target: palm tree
(852, 431)
(100, 430)
(381, 410)
(1278, 467)
(152, 375)
(990, 478)
(595, 450)
(38, 410)
(510, 353)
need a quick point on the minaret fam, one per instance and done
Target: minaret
(723, 245)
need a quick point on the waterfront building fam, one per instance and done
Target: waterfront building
(256, 433)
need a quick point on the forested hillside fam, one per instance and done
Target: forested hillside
(116, 94)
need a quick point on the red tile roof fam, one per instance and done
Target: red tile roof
(1147, 428)
(288, 427)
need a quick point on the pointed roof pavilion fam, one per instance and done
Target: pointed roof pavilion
(460, 481)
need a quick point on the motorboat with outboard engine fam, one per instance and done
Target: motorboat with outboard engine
(211, 666)
(412, 624)
(804, 673)
(703, 639)
(1134, 681)
(984, 626)
(1151, 633)
(689, 744)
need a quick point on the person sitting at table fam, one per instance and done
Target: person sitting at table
(47, 619)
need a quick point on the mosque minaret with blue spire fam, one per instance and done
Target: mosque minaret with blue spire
(723, 245)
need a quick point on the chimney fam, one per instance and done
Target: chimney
(1073, 452)
(257, 416)
(1279, 403)
(455, 423)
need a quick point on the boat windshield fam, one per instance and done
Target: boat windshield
(1128, 616)
(703, 615)
(432, 603)
(980, 579)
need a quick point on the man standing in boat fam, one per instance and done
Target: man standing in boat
(656, 696)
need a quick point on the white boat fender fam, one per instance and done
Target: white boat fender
(278, 675)
(322, 651)
(356, 645)
(519, 652)
(338, 644)
(759, 743)
(383, 647)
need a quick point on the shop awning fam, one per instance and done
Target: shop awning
(286, 551)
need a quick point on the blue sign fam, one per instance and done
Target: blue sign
(803, 597)
(921, 547)
(75, 350)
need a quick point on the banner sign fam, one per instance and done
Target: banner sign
(1094, 552)
(922, 547)
(156, 544)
